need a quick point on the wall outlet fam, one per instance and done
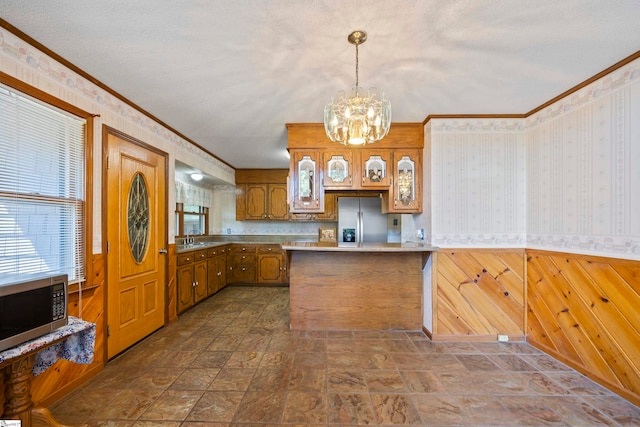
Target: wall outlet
(503, 338)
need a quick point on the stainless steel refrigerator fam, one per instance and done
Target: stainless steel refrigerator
(360, 220)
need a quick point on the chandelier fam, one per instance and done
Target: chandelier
(362, 118)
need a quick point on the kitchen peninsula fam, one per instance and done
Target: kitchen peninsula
(346, 286)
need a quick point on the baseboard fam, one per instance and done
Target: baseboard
(475, 338)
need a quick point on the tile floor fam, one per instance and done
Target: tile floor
(232, 361)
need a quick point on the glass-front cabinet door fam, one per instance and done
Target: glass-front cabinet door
(338, 169)
(374, 165)
(407, 188)
(304, 180)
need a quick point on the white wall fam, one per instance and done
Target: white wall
(564, 179)
(477, 182)
(583, 174)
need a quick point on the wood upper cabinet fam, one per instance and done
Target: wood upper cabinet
(374, 168)
(265, 202)
(405, 194)
(330, 213)
(339, 169)
(261, 195)
(392, 166)
(305, 182)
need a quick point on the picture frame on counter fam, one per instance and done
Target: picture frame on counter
(327, 234)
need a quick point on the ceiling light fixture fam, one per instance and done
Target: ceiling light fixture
(362, 118)
(196, 176)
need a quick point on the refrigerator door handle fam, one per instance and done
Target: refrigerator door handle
(361, 226)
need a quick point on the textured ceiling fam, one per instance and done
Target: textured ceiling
(229, 74)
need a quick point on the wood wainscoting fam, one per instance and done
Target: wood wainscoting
(172, 290)
(65, 376)
(585, 311)
(478, 294)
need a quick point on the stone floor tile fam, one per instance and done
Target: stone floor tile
(350, 409)
(395, 409)
(216, 406)
(305, 408)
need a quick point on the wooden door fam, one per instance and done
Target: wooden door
(306, 191)
(185, 281)
(136, 224)
(212, 275)
(200, 275)
(270, 268)
(256, 201)
(374, 168)
(339, 169)
(222, 270)
(407, 184)
(278, 209)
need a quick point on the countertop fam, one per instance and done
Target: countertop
(357, 247)
(205, 242)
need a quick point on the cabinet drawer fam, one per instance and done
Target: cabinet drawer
(238, 249)
(185, 258)
(200, 255)
(243, 274)
(269, 249)
(243, 259)
(220, 250)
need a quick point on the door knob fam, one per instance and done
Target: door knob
(162, 251)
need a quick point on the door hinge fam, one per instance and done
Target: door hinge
(108, 247)
(108, 162)
(108, 331)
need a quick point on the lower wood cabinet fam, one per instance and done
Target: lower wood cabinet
(200, 273)
(242, 264)
(191, 278)
(257, 264)
(272, 266)
(216, 269)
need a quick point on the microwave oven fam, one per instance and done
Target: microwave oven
(32, 307)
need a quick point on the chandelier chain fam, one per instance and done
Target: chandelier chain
(357, 70)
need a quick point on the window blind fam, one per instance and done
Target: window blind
(42, 189)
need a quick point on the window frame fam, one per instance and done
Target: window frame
(87, 237)
(180, 212)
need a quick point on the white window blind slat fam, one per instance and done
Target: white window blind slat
(42, 189)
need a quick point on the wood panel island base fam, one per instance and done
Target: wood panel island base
(375, 286)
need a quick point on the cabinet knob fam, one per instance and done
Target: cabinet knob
(244, 249)
(243, 268)
(219, 273)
